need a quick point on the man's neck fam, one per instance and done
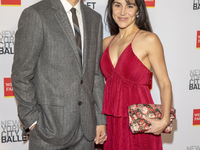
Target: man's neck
(73, 2)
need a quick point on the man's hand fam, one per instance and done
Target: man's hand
(101, 134)
(32, 127)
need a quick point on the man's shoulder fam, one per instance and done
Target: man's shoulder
(91, 11)
(40, 6)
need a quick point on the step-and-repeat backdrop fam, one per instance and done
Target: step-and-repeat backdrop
(177, 24)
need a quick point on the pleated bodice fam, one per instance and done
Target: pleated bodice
(127, 83)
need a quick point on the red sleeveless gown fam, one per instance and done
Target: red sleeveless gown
(126, 84)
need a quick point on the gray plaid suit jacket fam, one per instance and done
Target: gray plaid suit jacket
(48, 79)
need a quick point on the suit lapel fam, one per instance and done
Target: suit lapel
(63, 20)
(86, 28)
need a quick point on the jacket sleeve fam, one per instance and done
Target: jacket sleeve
(28, 44)
(98, 89)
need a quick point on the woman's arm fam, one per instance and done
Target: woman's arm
(157, 62)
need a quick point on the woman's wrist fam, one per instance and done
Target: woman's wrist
(165, 120)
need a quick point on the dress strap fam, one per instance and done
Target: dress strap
(112, 40)
(135, 35)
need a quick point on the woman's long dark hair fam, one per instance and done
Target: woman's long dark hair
(142, 21)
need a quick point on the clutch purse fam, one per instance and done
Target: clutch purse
(137, 112)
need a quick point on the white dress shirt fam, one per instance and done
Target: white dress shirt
(67, 6)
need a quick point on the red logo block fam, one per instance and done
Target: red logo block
(150, 3)
(11, 2)
(198, 39)
(196, 117)
(8, 90)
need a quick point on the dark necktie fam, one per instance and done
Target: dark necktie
(77, 31)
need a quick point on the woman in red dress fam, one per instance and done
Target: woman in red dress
(130, 53)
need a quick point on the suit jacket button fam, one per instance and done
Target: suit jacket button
(79, 103)
(81, 81)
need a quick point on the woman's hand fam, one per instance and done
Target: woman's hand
(157, 126)
(101, 135)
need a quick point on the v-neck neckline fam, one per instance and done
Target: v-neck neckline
(114, 67)
(122, 51)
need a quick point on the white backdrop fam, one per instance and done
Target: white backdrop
(176, 22)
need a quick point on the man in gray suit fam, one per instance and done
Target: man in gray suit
(56, 76)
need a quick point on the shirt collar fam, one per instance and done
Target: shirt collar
(68, 6)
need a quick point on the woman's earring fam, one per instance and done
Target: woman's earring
(137, 16)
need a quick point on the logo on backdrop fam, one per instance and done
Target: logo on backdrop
(196, 117)
(194, 147)
(198, 39)
(10, 2)
(150, 3)
(8, 90)
(196, 5)
(11, 131)
(91, 4)
(7, 39)
(194, 83)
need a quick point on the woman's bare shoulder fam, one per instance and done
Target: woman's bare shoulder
(151, 42)
(107, 41)
(149, 37)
